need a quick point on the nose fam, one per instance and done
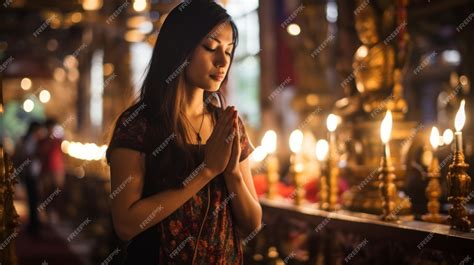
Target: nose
(221, 59)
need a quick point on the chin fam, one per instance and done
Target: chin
(213, 87)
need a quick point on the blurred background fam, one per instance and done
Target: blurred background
(68, 68)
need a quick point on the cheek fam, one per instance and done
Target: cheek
(200, 63)
(197, 71)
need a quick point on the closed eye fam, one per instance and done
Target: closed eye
(209, 49)
(213, 50)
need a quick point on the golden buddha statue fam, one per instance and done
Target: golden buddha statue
(378, 77)
(374, 62)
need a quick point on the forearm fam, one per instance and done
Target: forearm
(150, 211)
(246, 209)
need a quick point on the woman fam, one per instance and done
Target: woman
(182, 191)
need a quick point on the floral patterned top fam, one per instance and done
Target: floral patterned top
(205, 221)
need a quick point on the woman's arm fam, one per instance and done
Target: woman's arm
(131, 215)
(245, 206)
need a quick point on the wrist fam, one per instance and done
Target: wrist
(233, 175)
(208, 173)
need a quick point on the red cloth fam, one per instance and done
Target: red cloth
(286, 191)
(51, 156)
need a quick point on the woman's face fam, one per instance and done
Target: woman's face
(210, 60)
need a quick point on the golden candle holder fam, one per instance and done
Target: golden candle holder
(433, 189)
(333, 170)
(297, 166)
(272, 176)
(322, 148)
(458, 182)
(433, 193)
(296, 171)
(332, 180)
(269, 142)
(387, 188)
(324, 193)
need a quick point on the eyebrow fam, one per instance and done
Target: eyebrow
(216, 39)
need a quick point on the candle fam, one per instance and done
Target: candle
(331, 123)
(434, 138)
(332, 170)
(269, 142)
(296, 143)
(385, 132)
(458, 125)
(448, 136)
(322, 148)
(258, 155)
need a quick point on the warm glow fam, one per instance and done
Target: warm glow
(322, 148)
(259, 154)
(65, 146)
(91, 5)
(269, 141)
(28, 105)
(448, 136)
(44, 96)
(332, 122)
(76, 17)
(293, 29)
(460, 117)
(139, 5)
(59, 74)
(70, 62)
(296, 141)
(134, 35)
(386, 127)
(362, 51)
(87, 151)
(26, 83)
(434, 137)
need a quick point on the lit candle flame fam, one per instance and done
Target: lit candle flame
(332, 122)
(322, 149)
(434, 137)
(448, 136)
(259, 154)
(386, 127)
(296, 141)
(460, 117)
(269, 141)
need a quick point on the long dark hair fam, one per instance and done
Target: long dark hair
(163, 96)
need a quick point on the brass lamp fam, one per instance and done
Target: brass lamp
(269, 141)
(387, 187)
(322, 148)
(297, 167)
(458, 180)
(433, 190)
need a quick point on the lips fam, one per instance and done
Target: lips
(218, 77)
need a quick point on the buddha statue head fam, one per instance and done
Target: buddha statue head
(366, 24)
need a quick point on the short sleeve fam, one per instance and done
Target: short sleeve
(129, 132)
(245, 145)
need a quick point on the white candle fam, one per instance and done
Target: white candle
(385, 132)
(322, 148)
(331, 123)
(434, 138)
(458, 125)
